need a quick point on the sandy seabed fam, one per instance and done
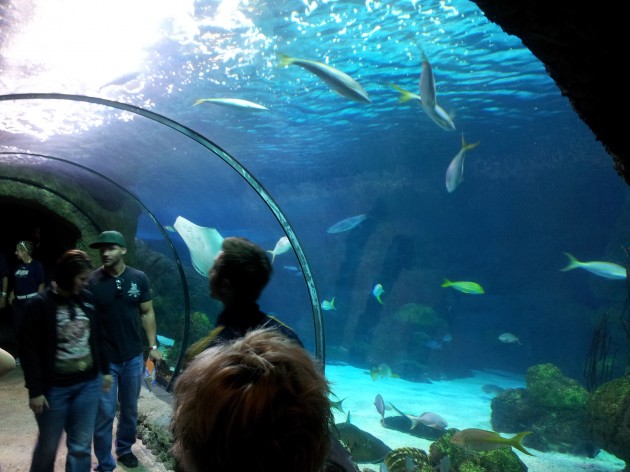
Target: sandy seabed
(461, 402)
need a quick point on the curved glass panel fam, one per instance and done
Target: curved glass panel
(385, 201)
(235, 198)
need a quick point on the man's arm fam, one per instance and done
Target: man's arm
(4, 295)
(147, 317)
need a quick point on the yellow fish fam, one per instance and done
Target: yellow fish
(465, 287)
(482, 440)
(382, 371)
(328, 305)
(377, 291)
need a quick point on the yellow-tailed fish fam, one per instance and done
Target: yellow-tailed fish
(232, 102)
(481, 440)
(455, 171)
(465, 287)
(339, 81)
(328, 305)
(608, 270)
(428, 97)
(377, 291)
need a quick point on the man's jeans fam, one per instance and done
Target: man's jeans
(126, 383)
(72, 408)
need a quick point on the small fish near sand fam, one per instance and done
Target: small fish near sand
(608, 270)
(282, 246)
(432, 420)
(509, 338)
(464, 287)
(455, 171)
(377, 291)
(232, 103)
(339, 81)
(379, 403)
(405, 424)
(346, 224)
(382, 371)
(479, 440)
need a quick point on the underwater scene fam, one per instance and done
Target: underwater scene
(447, 236)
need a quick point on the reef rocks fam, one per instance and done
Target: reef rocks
(552, 406)
(608, 413)
(549, 388)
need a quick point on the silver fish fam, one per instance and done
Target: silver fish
(339, 81)
(608, 270)
(282, 246)
(232, 102)
(428, 97)
(455, 171)
(346, 224)
(379, 403)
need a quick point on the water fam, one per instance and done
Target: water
(538, 184)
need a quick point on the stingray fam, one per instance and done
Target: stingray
(203, 243)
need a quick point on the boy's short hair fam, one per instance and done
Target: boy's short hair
(256, 403)
(246, 265)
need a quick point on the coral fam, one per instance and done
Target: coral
(608, 414)
(399, 460)
(199, 326)
(513, 411)
(498, 460)
(549, 388)
(420, 316)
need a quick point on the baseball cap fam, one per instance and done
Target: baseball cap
(109, 237)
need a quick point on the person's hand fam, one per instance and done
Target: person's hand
(107, 382)
(155, 354)
(37, 404)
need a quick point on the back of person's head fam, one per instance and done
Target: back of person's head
(259, 403)
(71, 264)
(246, 265)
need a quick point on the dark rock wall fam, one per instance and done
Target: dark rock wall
(580, 45)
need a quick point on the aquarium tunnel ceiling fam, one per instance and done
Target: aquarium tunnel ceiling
(132, 115)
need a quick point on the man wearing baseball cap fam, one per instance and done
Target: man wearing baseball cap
(123, 301)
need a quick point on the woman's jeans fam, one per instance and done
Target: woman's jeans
(126, 382)
(72, 409)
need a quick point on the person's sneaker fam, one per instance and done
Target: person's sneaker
(97, 468)
(128, 460)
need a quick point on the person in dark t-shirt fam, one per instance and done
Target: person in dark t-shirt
(122, 299)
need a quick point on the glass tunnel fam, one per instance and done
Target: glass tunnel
(432, 245)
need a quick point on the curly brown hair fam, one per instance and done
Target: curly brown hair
(257, 403)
